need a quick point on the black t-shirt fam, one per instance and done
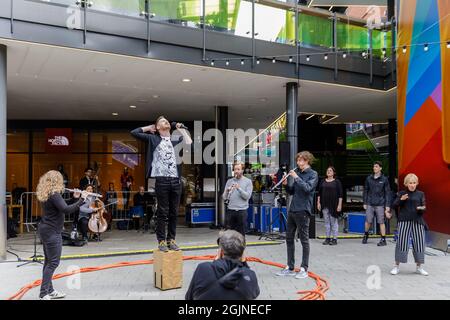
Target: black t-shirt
(329, 193)
(407, 209)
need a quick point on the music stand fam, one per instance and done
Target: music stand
(35, 256)
(277, 235)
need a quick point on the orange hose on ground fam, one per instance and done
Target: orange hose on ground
(317, 294)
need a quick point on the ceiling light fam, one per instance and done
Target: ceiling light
(344, 55)
(263, 99)
(242, 62)
(132, 107)
(325, 57)
(404, 49)
(186, 80)
(311, 116)
(155, 96)
(384, 51)
(425, 47)
(307, 58)
(448, 44)
(257, 61)
(212, 62)
(227, 62)
(274, 60)
(364, 54)
(115, 114)
(290, 59)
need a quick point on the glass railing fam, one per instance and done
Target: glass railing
(274, 21)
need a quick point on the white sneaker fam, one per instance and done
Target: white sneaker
(395, 271)
(56, 295)
(46, 297)
(286, 272)
(302, 274)
(421, 271)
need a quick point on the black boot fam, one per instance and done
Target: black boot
(327, 241)
(333, 242)
(366, 236)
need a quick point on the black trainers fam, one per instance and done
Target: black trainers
(382, 242)
(364, 240)
(173, 245)
(333, 242)
(327, 241)
(162, 246)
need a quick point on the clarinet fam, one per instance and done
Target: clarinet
(227, 200)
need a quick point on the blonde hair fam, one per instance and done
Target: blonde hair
(49, 183)
(410, 177)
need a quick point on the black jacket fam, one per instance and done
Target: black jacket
(377, 192)
(223, 279)
(55, 208)
(302, 189)
(153, 140)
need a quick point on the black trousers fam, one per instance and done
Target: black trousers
(168, 195)
(236, 220)
(83, 227)
(52, 244)
(297, 221)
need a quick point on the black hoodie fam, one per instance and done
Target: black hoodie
(223, 279)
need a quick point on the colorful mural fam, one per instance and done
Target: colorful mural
(424, 103)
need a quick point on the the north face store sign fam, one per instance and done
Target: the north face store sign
(59, 140)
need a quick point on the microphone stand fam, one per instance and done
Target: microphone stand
(35, 256)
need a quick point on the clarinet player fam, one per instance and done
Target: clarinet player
(238, 191)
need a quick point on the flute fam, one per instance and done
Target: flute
(281, 181)
(88, 193)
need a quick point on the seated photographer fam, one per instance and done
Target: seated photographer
(228, 277)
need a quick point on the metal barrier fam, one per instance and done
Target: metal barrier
(119, 210)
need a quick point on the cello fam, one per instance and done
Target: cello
(97, 222)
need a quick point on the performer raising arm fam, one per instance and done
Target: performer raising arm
(162, 164)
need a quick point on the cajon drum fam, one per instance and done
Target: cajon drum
(168, 269)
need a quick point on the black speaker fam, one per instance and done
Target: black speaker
(284, 154)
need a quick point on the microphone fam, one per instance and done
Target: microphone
(174, 126)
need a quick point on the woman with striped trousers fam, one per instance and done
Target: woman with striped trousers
(410, 204)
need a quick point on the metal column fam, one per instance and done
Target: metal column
(3, 211)
(392, 128)
(291, 121)
(221, 168)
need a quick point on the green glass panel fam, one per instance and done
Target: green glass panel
(315, 31)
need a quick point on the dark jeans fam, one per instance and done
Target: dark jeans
(52, 244)
(168, 195)
(298, 221)
(83, 227)
(236, 220)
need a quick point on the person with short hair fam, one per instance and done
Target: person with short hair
(411, 225)
(238, 191)
(162, 165)
(228, 277)
(87, 179)
(376, 199)
(302, 186)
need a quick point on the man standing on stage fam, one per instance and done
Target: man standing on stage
(162, 165)
(300, 209)
(238, 191)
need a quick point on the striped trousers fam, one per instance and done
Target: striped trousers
(407, 230)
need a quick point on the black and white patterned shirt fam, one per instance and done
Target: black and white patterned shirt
(164, 160)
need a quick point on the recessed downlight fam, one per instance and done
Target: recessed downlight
(115, 114)
(186, 80)
(132, 107)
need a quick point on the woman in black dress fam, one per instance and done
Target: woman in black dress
(329, 202)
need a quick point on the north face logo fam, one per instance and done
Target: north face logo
(59, 141)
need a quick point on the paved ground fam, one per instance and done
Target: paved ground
(355, 271)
